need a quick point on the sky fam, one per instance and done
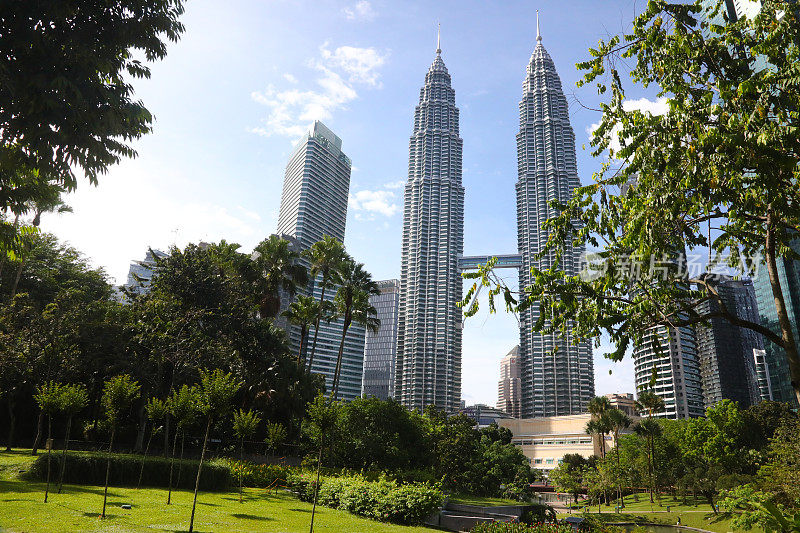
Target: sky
(248, 77)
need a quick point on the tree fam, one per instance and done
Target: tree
(119, 393)
(216, 391)
(66, 103)
(156, 410)
(325, 258)
(302, 312)
(183, 406)
(277, 269)
(618, 421)
(48, 396)
(245, 424)
(724, 153)
(73, 400)
(649, 429)
(276, 435)
(352, 303)
(569, 475)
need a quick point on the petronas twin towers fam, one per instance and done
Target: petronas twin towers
(557, 376)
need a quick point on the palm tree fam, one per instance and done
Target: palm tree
(597, 407)
(302, 312)
(649, 429)
(649, 401)
(277, 268)
(352, 303)
(326, 258)
(618, 421)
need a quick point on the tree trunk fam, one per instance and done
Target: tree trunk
(241, 467)
(303, 332)
(144, 457)
(49, 450)
(171, 464)
(16, 279)
(166, 434)
(650, 466)
(12, 421)
(316, 483)
(199, 470)
(316, 324)
(39, 425)
(619, 471)
(64, 454)
(142, 429)
(108, 468)
(335, 391)
(789, 345)
(180, 463)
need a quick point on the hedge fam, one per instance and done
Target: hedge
(258, 475)
(383, 500)
(89, 468)
(510, 527)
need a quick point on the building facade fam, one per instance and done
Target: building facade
(428, 368)
(380, 348)
(314, 204)
(509, 387)
(726, 351)
(624, 402)
(666, 363)
(484, 415)
(140, 273)
(557, 375)
(777, 364)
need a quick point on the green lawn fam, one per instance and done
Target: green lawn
(699, 515)
(78, 509)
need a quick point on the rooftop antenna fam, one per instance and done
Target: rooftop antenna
(439, 40)
(538, 34)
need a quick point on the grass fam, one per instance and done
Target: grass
(78, 509)
(467, 499)
(697, 515)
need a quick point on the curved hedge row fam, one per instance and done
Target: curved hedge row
(89, 468)
(384, 500)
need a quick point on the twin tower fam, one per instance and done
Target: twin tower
(557, 375)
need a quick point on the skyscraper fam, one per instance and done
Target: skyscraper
(428, 370)
(670, 356)
(380, 348)
(313, 204)
(508, 389)
(725, 351)
(775, 357)
(557, 375)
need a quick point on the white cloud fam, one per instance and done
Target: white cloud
(372, 202)
(657, 107)
(339, 71)
(399, 184)
(361, 10)
(361, 64)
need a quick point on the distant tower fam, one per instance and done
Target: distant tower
(380, 348)
(508, 389)
(314, 203)
(725, 351)
(429, 331)
(557, 375)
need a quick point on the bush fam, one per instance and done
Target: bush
(383, 500)
(537, 513)
(258, 475)
(509, 527)
(89, 468)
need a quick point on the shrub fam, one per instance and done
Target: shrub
(383, 500)
(508, 527)
(89, 468)
(258, 475)
(537, 513)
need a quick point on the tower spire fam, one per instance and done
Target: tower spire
(538, 33)
(439, 39)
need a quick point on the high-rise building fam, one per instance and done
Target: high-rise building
(624, 402)
(428, 368)
(557, 374)
(725, 351)
(380, 348)
(509, 387)
(665, 362)
(314, 204)
(777, 364)
(140, 273)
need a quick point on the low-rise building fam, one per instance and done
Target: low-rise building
(625, 402)
(484, 415)
(545, 441)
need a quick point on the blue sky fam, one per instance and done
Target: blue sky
(248, 77)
